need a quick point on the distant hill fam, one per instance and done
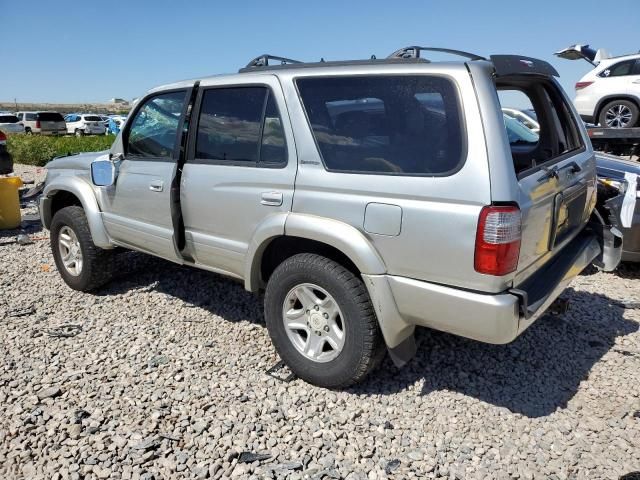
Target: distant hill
(66, 107)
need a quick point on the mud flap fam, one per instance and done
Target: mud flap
(610, 239)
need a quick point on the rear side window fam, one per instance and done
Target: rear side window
(30, 116)
(619, 69)
(240, 125)
(50, 117)
(92, 118)
(392, 124)
(8, 119)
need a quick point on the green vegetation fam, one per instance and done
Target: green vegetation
(38, 149)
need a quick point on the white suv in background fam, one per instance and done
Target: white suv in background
(84, 124)
(609, 95)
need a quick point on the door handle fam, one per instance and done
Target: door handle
(156, 186)
(636, 81)
(271, 198)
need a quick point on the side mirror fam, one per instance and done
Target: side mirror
(103, 173)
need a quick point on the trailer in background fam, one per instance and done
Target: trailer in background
(624, 142)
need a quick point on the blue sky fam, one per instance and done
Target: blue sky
(93, 51)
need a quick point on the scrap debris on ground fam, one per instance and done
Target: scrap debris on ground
(125, 388)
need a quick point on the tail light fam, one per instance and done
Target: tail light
(37, 123)
(581, 85)
(3, 137)
(498, 240)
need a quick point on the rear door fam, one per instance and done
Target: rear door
(240, 169)
(555, 169)
(51, 122)
(138, 208)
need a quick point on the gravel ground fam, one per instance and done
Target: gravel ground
(162, 375)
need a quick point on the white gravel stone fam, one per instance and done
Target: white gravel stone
(166, 379)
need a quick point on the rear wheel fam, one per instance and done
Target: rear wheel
(82, 265)
(321, 321)
(619, 114)
(28, 131)
(79, 132)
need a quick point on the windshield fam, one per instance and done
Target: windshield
(8, 119)
(518, 133)
(50, 117)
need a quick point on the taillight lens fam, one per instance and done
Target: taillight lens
(581, 85)
(37, 123)
(3, 137)
(498, 240)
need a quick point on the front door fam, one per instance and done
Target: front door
(137, 210)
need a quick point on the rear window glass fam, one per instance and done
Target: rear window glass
(8, 119)
(395, 124)
(555, 132)
(50, 117)
(92, 118)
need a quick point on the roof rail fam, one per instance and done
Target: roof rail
(414, 52)
(263, 61)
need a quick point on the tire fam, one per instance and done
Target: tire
(79, 133)
(619, 114)
(28, 131)
(351, 312)
(96, 264)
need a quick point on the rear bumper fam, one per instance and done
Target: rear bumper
(491, 318)
(52, 132)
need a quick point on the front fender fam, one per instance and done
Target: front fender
(84, 192)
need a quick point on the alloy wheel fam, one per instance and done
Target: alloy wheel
(314, 323)
(618, 116)
(70, 251)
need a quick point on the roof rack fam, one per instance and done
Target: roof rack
(263, 61)
(414, 52)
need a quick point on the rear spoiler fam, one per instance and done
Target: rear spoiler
(517, 65)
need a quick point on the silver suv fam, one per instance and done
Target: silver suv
(44, 123)
(364, 197)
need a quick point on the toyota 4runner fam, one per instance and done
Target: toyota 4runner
(364, 197)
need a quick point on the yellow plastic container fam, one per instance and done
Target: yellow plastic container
(9, 202)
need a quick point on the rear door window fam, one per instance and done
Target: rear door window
(240, 126)
(391, 124)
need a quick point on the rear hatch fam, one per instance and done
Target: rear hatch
(555, 168)
(92, 121)
(51, 121)
(582, 52)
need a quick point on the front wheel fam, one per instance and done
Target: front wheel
(79, 133)
(619, 114)
(321, 321)
(82, 265)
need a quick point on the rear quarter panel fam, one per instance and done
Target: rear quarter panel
(439, 215)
